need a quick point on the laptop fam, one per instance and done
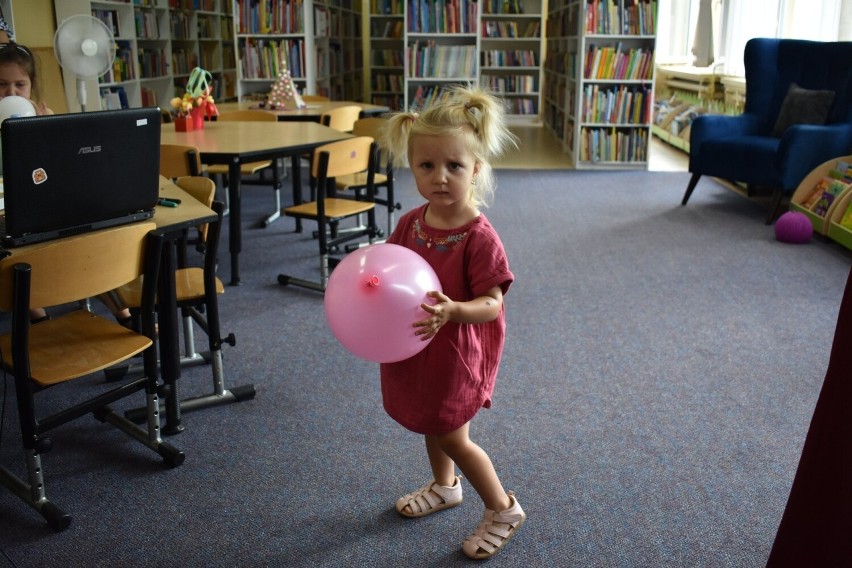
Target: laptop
(67, 174)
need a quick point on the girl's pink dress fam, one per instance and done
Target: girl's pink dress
(441, 388)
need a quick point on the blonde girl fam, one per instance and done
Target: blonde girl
(436, 393)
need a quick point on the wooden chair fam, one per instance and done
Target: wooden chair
(330, 161)
(78, 343)
(372, 127)
(177, 160)
(341, 118)
(196, 291)
(251, 168)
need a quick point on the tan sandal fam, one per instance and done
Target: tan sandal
(430, 498)
(494, 531)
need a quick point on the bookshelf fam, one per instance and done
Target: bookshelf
(387, 52)
(511, 53)
(599, 87)
(321, 42)
(420, 46)
(157, 44)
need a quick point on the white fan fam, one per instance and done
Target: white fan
(84, 46)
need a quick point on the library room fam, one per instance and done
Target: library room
(234, 231)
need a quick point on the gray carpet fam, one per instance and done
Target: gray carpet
(660, 372)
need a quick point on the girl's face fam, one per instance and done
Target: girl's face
(444, 169)
(14, 81)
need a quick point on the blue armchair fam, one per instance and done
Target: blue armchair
(755, 147)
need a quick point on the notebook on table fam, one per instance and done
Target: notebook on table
(67, 174)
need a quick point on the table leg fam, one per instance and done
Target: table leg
(235, 239)
(296, 167)
(168, 338)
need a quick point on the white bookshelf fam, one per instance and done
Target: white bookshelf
(158, 42)
(599, 80)
(321, 42)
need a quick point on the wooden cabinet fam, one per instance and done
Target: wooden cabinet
(599, 87)
(158, 42)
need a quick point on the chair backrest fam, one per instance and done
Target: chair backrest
(349, 156)
(371, 126)
(89, 264)
(201, 188)
(248, 115)
(771, 65)
(315, 98)
(341, 118)
(177, 160)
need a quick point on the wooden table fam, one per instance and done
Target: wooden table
(311, 113)
(234, 143)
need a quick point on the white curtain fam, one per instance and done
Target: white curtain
(800, 19)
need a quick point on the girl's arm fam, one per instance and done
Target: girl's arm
(482, 309)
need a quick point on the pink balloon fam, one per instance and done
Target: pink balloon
(372, 299)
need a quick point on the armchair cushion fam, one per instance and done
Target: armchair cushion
(802, 106)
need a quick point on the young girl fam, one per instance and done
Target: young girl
(438, 391)
(18, 75)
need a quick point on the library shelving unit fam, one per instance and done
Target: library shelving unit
(344, 45)
(320, 41)
(158, 42)
(511, 53)
(387, 50)
(441, 47)
(599, 80)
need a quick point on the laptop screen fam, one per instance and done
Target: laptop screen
(82, 171)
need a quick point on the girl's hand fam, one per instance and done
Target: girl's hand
(440, 313)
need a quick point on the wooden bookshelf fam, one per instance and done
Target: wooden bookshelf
(387, 53)
(158, 42)
(599, 87)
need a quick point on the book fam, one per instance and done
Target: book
(833, 189)
(846, 220)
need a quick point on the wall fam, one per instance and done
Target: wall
(35, 25)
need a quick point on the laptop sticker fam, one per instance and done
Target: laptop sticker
(39, 176)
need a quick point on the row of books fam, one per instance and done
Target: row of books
(430, 60)
(386, 6)
(147, 25)
(270, 16)
(610, 62)
(504, 29)
(523, 84)
(152, 63)
(562, 62)
(526, 107)
(123, 67)
(113, 98)
(613, 145)
(424, 95)
(204, 5)
(624, 105)
(184, 61)
(180, 24)
(261, 59)
(391, 29)
(386, 82)
(502, 7)
(109, 18)
(638, 17)
(387, 58)
(442, 16)
(828, 190)
(509, 58)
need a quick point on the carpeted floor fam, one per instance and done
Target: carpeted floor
(660, 373)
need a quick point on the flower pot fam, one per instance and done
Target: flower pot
(184, 124)
(197, 114)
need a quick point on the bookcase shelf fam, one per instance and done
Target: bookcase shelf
(158, 42)
(599, 88)
(321, 42)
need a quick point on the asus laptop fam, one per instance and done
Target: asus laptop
(67, 174)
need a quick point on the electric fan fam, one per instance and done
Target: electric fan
(84, 46)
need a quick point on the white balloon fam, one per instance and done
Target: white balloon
(14, 106)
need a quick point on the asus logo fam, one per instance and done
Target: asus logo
(88, 150)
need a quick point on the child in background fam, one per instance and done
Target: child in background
(19, 77)
(438, 391)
